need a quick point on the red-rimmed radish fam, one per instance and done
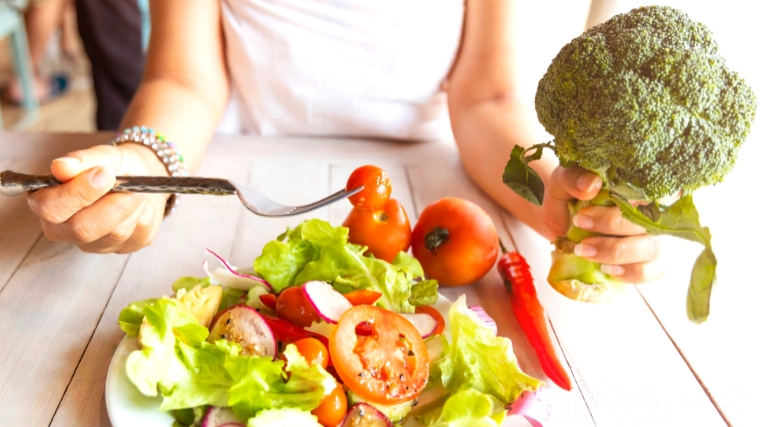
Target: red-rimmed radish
(228, 275)
(365, 415)
(243, 325)
(221, 417)
(425, 323)
(482, 315)
(329, 303)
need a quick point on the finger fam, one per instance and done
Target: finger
(641, 272)
(146, 230)
(574, 183)
(96, 221)
(58, 204)
(120, 234)
(606, 220)
(75, 162)
(619, 250)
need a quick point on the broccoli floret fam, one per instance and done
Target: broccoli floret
(646, 101)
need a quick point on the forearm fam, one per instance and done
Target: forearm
(178, 111)
(486, 132)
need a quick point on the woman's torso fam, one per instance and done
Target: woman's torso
(341, 67)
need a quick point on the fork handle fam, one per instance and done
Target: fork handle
(13, 183)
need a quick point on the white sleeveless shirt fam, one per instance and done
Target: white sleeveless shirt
(363, 68)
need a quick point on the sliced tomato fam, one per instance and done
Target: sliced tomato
(364, 296)
(269, 300)
(436, 315)
(389, 366)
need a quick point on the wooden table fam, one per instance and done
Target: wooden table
(634, 362)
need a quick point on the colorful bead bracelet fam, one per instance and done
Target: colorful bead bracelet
(166, 151)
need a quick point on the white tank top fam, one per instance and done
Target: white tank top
(364, 68)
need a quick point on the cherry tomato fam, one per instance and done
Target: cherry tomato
(379, 367)
(312, 350)
(385, 231)
(331, 411)
(364, 296)
(377, 187)
(436, 315)
(455, 241)
(293, 306)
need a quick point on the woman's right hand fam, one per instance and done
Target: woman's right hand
(83, 211)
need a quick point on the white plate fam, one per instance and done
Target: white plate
(127, 407)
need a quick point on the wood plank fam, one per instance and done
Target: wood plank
(449, 179)
(199, 222)
(295, 182)
(48, 312)
(19, 227)
(628, 370)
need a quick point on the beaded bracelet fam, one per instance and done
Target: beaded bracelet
(166, 151)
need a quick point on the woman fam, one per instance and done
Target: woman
(392, 69)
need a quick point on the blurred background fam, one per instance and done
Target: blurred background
(61, 71)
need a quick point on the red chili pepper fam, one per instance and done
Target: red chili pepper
(530, 315)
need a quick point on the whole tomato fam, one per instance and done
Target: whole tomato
(385, 231)
(455, 241)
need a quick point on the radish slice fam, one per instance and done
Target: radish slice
(228, 275)
(364, 414)
(243, 325)
(221, 417)
(482, 315)
(329, 303)
(425, 323)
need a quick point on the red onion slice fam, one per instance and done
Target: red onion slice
(221, 417)
(230, 277)
(482, 315)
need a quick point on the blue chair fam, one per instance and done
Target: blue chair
(12, 24)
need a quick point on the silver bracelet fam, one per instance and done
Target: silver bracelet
(166, 151)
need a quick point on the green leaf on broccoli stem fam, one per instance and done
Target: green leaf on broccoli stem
(700, 287)
(521, 178)
(681, 220)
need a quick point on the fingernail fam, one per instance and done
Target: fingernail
(101, 179)
(589, 182)
(71, 161)
(584, 250)
(613, 270)
(583, 221)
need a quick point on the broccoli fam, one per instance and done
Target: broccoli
(645, 101)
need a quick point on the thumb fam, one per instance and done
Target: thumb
(566, 185)
(73, 163)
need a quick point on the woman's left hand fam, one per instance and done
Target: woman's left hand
(624, 249)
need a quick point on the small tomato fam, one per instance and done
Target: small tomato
(385, 231)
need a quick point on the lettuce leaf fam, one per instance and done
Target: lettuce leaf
(467, 408)
(478, 359)
(131, 317)
(157, 365)
(315, 250)
(189, 282)
(260, 383)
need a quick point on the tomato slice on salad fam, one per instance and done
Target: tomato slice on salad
(389, 366)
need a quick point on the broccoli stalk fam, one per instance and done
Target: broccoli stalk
(645, 101)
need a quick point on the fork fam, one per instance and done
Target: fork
(15, 183)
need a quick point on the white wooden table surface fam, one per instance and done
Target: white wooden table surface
(634, 362)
